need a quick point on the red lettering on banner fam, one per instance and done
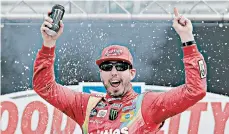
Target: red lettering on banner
(56, 124)
(195, 116)
(174, 124)
(13, 116)
(220, 116)
(27, 116)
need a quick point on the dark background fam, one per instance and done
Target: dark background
(155, 46)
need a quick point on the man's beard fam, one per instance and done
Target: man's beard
(116, 95)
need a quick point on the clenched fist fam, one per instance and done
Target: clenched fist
(183, 27)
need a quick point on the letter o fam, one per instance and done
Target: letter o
(27, 117)
(116, 131)
(13, 116)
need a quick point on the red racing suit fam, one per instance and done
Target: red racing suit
(132, 114)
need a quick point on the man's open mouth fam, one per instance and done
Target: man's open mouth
(115, 83)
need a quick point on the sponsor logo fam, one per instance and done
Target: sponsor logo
(115, 131)
(113, 99)
(115, 105)
(93, 112)
(101, 105)
(129, 107)
(113, 114)
(113, 52)
(203, 73)
(127, 116)
(102, 113)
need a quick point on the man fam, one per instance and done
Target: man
(121, 111)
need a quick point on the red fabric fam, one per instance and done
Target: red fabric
(71, 103)
(156, 107)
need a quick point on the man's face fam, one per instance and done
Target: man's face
(116, 77)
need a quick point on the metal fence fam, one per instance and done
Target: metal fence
(112, 9)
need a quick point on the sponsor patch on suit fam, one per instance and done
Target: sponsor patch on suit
(113, 114)
(102, 113)
(101, 105)
(131, 107)
(93, 112)
(127, 116)
(202, 68)
(116, 105)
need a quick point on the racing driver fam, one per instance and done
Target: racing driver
(121, 110)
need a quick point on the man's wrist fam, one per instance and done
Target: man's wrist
(187, 37)
(49, 43)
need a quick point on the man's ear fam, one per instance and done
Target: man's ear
(132, 73)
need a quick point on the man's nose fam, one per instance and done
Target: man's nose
(114, 71)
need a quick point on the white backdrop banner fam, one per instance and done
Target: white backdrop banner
(27, 113)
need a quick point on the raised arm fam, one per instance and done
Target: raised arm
(159, 106)
(71, 103)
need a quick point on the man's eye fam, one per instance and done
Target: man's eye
(105, 66)
(118, 68)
